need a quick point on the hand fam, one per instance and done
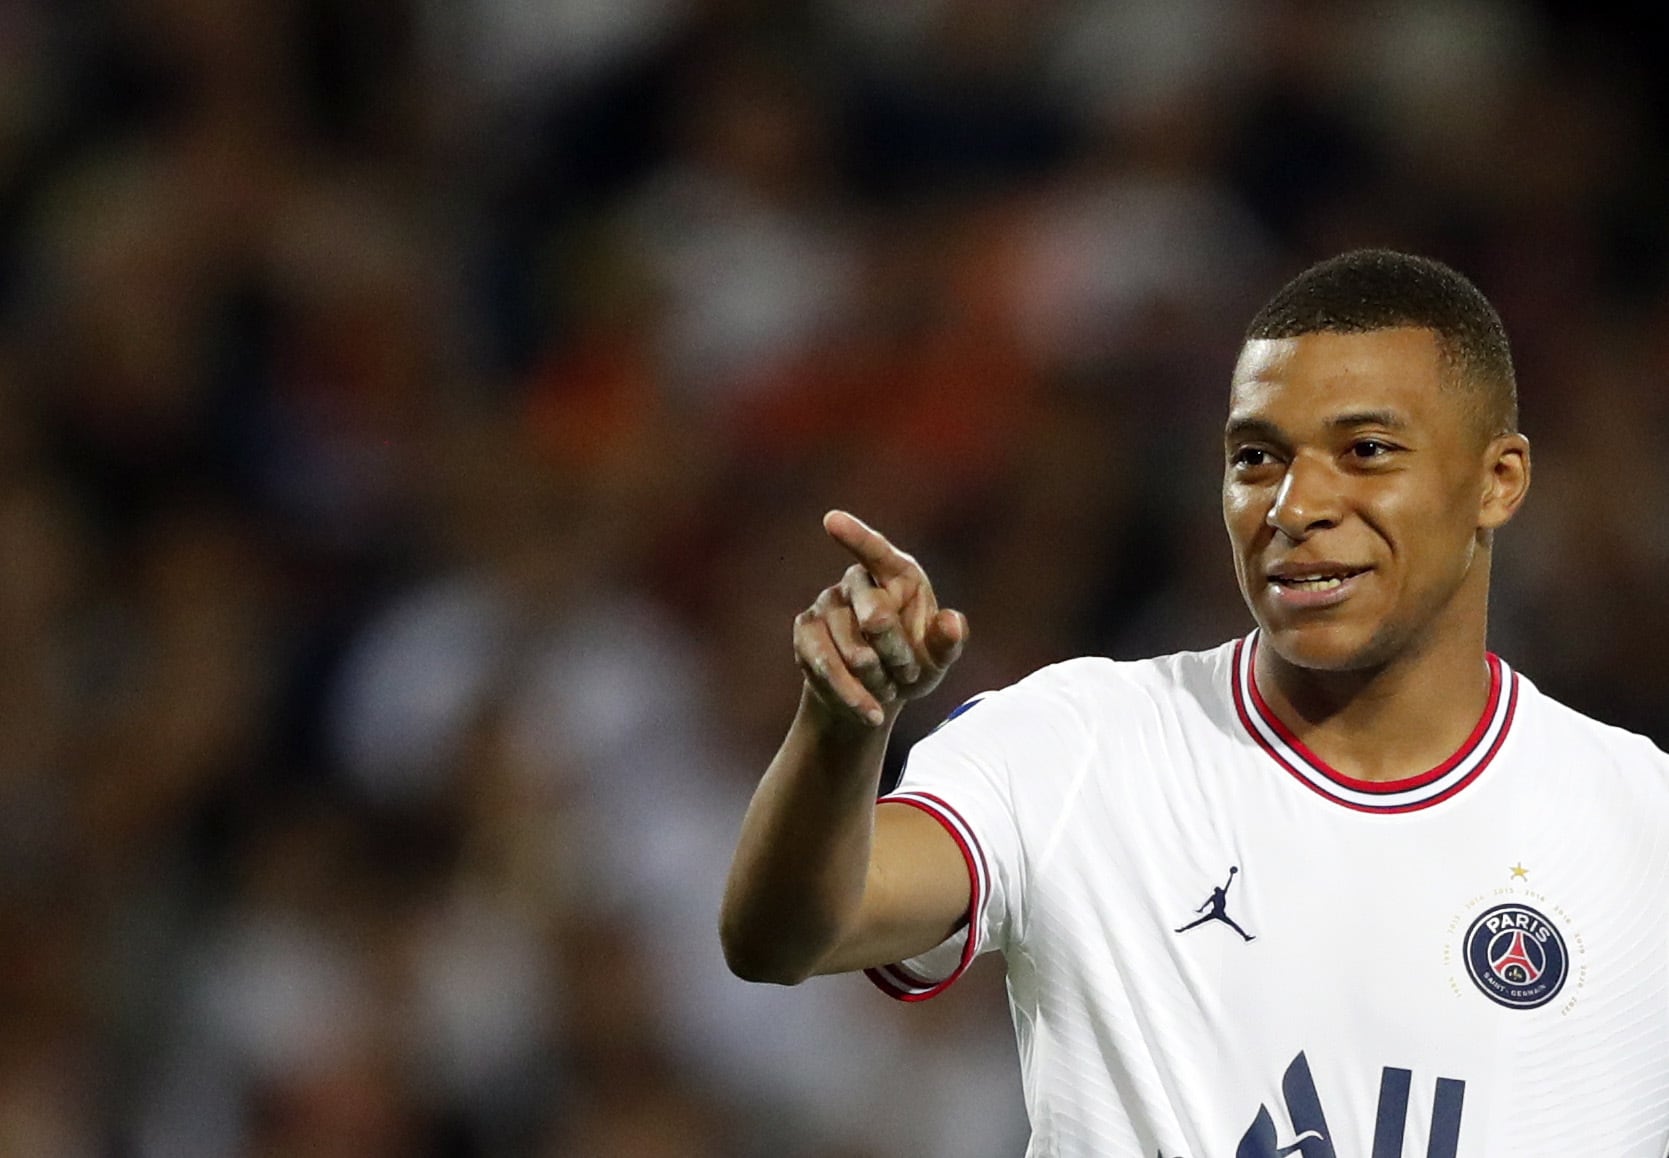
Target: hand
(878, 638)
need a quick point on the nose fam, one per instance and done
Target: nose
(1308, 500)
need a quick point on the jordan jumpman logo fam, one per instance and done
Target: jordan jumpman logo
(1218, 902)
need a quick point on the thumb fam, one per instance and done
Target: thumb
(946, 634)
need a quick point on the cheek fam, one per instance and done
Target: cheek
(1455, 512)
(1433, 530)
(1243, 519)
(1234, 522)
(1240, 513)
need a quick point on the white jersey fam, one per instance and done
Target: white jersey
(1219, 947)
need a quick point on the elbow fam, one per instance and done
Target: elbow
(764, 972)
(756, 959)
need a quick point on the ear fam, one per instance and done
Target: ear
(1506, 479)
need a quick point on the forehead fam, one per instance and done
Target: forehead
(1313, 376)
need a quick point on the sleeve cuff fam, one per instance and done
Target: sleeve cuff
(916, 979)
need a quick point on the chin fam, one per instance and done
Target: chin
(1324, 646)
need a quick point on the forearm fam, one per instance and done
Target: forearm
(797, 881)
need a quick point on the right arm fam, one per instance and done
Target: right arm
(824, 880)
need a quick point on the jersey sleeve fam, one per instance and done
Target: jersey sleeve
(964, 776)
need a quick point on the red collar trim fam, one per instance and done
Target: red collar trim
(1406, 795)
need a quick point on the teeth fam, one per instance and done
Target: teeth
(1315, 584)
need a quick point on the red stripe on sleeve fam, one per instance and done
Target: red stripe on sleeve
(895, 980)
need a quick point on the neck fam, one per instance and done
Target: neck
(1390, 720)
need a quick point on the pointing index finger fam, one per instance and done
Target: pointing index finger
(880, 558)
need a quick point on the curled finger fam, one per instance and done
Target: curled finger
(826, 671)
(861, 659)
(878, 621)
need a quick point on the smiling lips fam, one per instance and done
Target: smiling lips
(1307, 585)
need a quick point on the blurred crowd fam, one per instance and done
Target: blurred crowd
(415, 419)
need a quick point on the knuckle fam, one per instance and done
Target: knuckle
(866, 661)
(877, 621)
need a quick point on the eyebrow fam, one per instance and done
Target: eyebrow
(1247, 426)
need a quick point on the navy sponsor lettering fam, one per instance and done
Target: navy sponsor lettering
(1310, 1137)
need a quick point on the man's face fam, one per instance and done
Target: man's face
(1354, 492)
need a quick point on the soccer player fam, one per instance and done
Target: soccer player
(1448, 927)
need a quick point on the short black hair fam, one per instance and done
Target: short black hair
(1381, 289)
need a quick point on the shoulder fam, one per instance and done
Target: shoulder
(1565, 732)
(1178, 676)
(1097, 690)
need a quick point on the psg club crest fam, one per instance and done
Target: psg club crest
(1516, 956)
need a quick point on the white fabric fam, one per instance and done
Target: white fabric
(1103, 803)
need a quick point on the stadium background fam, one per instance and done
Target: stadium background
(414, 423)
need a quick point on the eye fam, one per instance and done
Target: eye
(1370, 448)
(1247, 457)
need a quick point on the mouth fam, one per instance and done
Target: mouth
(1322, 585)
